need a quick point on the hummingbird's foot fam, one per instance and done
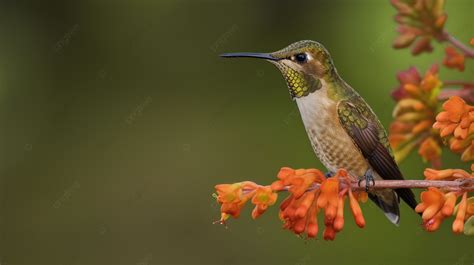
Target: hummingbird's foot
(329, 174)
(368, 177)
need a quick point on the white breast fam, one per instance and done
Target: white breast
(330, 142)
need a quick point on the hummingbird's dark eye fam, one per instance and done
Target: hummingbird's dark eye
(301, 57)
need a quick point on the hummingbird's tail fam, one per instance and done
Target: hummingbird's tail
(388, 201)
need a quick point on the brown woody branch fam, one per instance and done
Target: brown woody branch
(461, 83)
(468, 52)
(465, 184)
(465, 93)
(461, 185)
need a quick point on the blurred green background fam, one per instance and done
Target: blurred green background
(118, 118)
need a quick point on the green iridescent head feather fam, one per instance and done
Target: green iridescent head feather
(303, 77)
(303, 64)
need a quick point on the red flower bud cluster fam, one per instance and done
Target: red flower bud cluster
(415, 114)
(453, 59)
(419, 22)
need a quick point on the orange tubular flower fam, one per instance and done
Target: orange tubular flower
(445, 174)
(328, 199)
(437, 205)
(332, 201)
(432, 201)
(310, 191)
(419, 22)
(469, 224)
(264, 197)
(356, 211)
(464, 224)
(458, 224)
(299, 211)
(430, 150)
(453, 59)
(329, 232)
(456, 122)
(448, 207)
(298, 180)
(415, 114)
(339, 220)
(232, 198)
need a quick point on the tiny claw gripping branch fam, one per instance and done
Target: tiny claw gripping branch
(369, 178)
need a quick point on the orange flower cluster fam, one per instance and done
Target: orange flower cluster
(233, 197)
(419, 22)
(310, 191)
(456, 123)
(437, 205)
(299, 211)
(453, 59)
(415, 114)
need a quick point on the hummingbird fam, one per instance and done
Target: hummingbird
(343, 130)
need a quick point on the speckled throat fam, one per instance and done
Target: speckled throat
(299, 83)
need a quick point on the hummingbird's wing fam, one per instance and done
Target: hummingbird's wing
(368, 134)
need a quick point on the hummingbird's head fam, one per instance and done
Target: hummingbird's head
(303, 64)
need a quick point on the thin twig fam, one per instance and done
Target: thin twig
(465, 84)
(461, 184)
(464, 93)
(468, 52)
(465, 184)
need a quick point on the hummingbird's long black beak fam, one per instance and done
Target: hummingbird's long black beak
(266, 56)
